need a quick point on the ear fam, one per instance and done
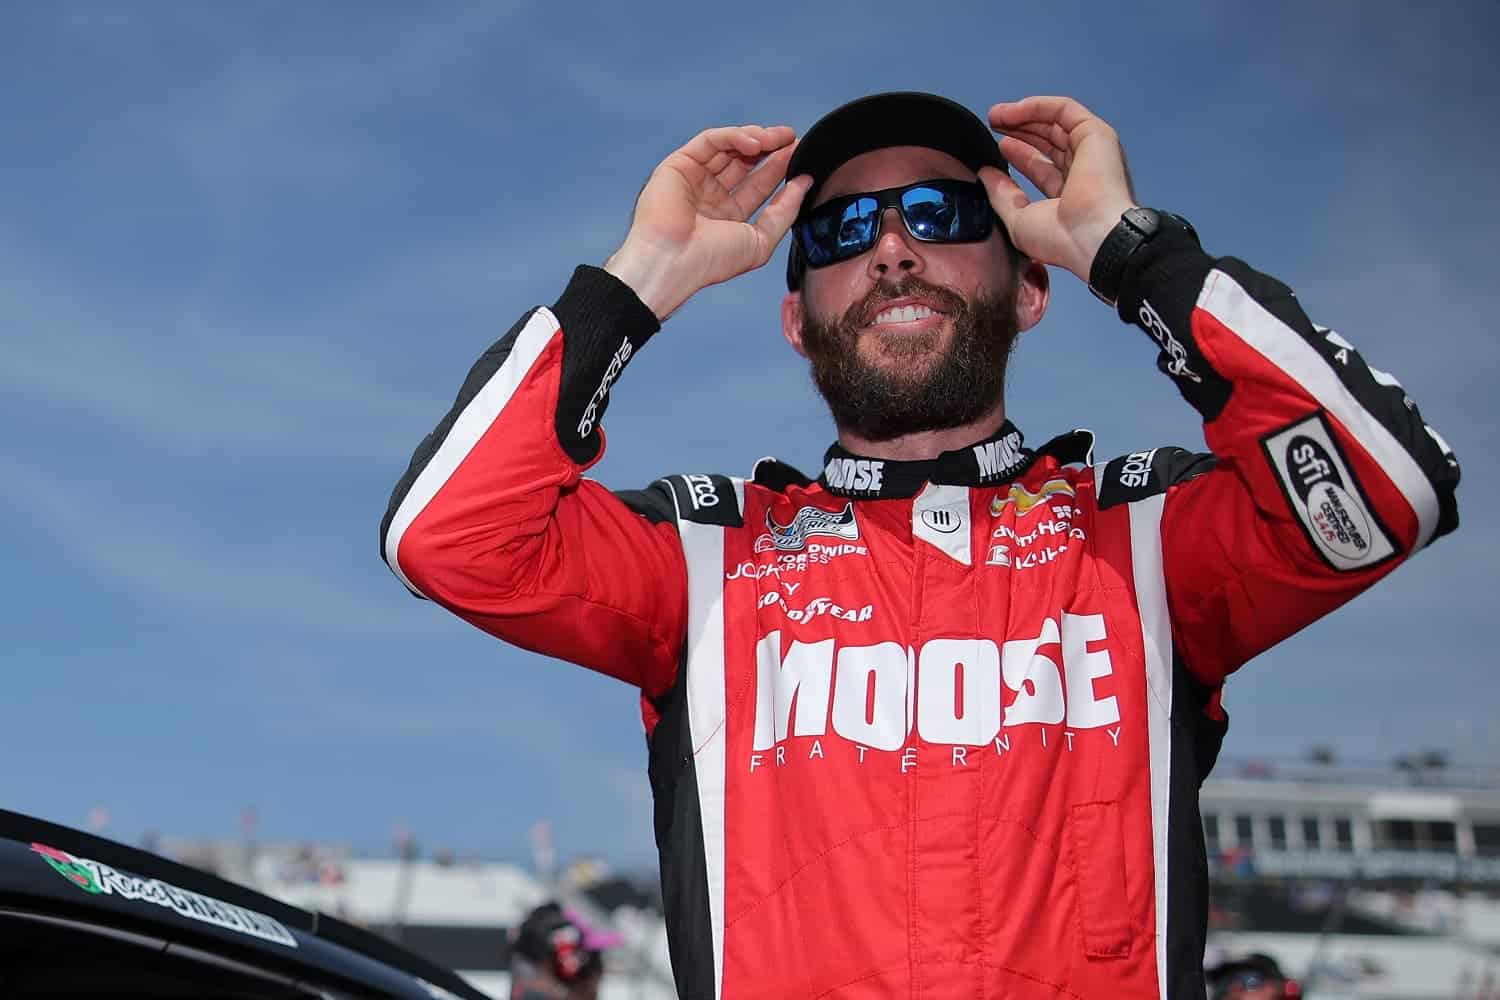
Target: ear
(1033, 292)
(791, 321)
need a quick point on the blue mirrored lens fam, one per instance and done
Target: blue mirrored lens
(930, 214)
(946, 214)
(840, 230)
(858, 227)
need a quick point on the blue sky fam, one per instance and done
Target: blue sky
(247, 253)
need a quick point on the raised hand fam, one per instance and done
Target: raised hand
(1075, 159)
(692, 225)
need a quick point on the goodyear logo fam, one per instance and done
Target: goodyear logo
(1026, 500)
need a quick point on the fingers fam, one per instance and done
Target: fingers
(738, 168)
(1033, 164)
(1064, 111)
(777, 217)
(1050, 139)
(741, 140)
(1006, 196)
(757, 187)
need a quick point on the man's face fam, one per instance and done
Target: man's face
(1251, 986)
(884, 369)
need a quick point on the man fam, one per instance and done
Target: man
(556, 956)
(933, 724)
(1254, 977)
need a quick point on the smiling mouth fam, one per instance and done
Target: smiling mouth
(905, 314)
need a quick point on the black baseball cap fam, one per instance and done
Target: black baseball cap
(562, 941)
(1257, 962)
(894, 118)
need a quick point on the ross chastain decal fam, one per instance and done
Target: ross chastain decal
(101, 879)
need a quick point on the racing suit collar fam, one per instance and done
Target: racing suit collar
(995, 459)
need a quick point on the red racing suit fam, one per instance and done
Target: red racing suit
(932, 729)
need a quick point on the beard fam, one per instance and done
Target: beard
(914, 389)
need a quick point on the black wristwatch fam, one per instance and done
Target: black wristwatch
(1136, 228)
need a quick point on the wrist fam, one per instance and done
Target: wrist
(1136, 229)
(646, 273)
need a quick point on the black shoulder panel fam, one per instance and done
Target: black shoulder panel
(775, 474)
(654, 503)
(1072, 448)
(699, 498)
(706, 499)
(1143, 474)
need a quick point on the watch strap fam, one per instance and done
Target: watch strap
(1135, 228)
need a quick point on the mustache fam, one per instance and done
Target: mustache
(862, 313)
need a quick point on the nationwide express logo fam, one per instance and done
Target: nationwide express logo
(102, 880)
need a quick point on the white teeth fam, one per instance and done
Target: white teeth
(904, 314)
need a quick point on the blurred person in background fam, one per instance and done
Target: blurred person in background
(555, 955)
(934, 722)
(1254, 977)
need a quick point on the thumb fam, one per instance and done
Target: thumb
(777, 217)
(1006, 196)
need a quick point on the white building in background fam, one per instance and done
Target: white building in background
(1415, 850)
(1338, 822)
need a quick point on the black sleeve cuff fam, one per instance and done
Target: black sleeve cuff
(604, 323)
(1170, 271)
(1158, 293)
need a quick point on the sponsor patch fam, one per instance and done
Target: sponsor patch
(1135, 470)
(943, 521)
(806, 523)
(101, 879)
(998, 458)
(816, 608)
(706, 499)
(816, 554)
(1026, 501)
(940, 517)
(855, 475)
(1325, 496)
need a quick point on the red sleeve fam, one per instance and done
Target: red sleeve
(494, 520)
(1323, 477)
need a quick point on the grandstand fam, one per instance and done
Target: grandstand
(1365, 881)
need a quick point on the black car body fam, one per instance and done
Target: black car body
(84, 916)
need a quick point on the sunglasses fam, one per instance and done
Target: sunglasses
(1241, 982)
(936, 211)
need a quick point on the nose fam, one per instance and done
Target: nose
(895, 253)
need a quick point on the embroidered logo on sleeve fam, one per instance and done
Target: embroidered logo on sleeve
(1326, 497)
